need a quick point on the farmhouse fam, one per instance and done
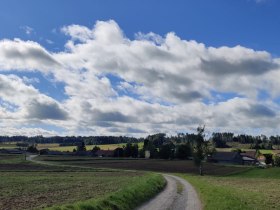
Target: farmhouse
(226, 158)
(249, 158)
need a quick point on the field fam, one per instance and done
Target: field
(38, 186)
(171, 166)
(26, 185)
(56, 147)
(223, 187)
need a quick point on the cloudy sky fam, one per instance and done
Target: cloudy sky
(139, 67)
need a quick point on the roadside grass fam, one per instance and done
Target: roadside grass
(252, 189)
(124, 199)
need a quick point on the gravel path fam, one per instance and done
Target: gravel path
(177, 195)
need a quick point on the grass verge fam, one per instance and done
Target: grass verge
(124, 199)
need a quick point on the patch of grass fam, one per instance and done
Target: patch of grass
(180, 187)
(126, 198)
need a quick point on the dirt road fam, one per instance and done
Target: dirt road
(178, 195)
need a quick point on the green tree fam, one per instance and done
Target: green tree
(95, 149)
(166, 151)
(81, 147)
(183, 151)
(199, 149)
(32, 149)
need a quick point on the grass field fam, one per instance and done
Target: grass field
(26, 185)
(252, 189)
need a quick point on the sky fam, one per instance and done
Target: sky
(120, 67)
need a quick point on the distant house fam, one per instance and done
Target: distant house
(226, 158)
(249, 158)
(104, 153)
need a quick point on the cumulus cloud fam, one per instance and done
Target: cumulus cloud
(45, 110)
(159, 83)
(25, 55)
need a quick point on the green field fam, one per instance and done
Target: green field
(252, 189)
(25, 185)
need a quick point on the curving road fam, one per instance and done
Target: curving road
(177, 195)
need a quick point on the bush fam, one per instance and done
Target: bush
(268, 159)
(32, 149)
(277, 160)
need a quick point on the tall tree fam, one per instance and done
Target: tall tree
(199, 149)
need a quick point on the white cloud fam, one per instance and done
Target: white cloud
(25, 55)
(171, 78)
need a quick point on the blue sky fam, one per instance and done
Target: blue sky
(215, 23)
(111, 67)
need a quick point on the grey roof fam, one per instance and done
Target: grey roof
(224, 156)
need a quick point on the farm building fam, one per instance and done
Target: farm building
(226, 158)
